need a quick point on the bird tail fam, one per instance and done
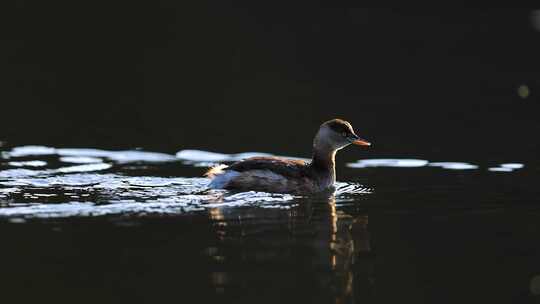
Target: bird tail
(214, 171)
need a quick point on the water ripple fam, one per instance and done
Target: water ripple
(508, 167)
(80, 159)
(84, 168)
(95, 194)
(206, 158)
(96, 183)
(417, 163)
(388, 162)
(31, 163)
(453, 165)
(126, 156)
(351, 188)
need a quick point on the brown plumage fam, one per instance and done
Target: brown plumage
(287, 167)
(275, 174)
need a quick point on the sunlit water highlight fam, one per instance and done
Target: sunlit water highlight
(417, 163)
(94, 182)
(47, 182)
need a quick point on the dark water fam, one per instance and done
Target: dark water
(91, 224)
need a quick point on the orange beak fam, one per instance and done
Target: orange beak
(361, 142)
(355, 140)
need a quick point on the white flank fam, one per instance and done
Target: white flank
(220, 180)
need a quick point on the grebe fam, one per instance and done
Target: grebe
(274, 174)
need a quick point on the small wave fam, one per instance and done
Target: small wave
(500, 169)
(196, 157)
(125, 156)
(351, 188)
(107, 194)
(30, 163)
(30, 151)
(416, 163)
(85, 209)
(84, 168)
(454, 165)
(507, 167)
(18, 173)
(513, 165)
(80, 159)
(164, 205)
(389, 162)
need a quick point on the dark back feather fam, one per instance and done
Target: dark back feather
(287, 167)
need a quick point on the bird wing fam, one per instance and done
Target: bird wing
(286, 167)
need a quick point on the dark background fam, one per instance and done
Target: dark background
(166, 75)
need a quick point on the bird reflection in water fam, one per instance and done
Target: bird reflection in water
(259, 247)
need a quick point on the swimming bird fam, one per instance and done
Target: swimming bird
(281, 175)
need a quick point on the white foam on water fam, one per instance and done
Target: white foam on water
(500, 169)
(351, 188)
(454, 165)
(206, 158)
(9, 190)
(512, 165)
(30, 163)
(85, 209)
(130, 195)
(30, 151)
(507, 167)
(17, 173)
(262, 199)
(409, 163)
(174, 204)
(81, 179)
(201, 156)
(80, 159)
(388, 162)
(84, 168)
(148, 181)
(126, 156)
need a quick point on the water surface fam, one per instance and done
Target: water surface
(136, 225)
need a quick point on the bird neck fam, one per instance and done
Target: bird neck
(324, 162)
